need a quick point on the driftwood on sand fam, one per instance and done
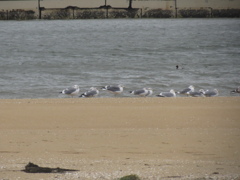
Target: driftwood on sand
(33, 168)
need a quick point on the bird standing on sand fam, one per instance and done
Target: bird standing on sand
(114, 89)
(185, 91)
(90, 93)
(71, 91)
(171, 93)
(142, 92)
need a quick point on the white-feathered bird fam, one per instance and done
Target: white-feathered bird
(171, 93)
(150, 91)
(211, 93)
(199, 93)
(71, 91)
(90, 93)
(114, 89)
(186, 90)
(142, 92)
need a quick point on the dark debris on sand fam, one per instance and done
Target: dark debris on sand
(130, 177)
(33, 168)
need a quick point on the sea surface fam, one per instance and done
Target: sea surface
(40, 58)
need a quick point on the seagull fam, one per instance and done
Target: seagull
(90, 93)
(142, 92)
(237, 90)
(199, 93)
(72, 91)
(150, 91)
(185, 91)
(211, 93)
(114, 89)
(171, 93)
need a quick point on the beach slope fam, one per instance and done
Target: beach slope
(107, 138)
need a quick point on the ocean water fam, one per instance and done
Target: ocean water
(40, 58)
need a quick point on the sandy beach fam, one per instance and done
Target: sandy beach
(107, 138)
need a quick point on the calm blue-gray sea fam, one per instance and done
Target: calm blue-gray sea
(40, 58)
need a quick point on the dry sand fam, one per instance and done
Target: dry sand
(107, 138)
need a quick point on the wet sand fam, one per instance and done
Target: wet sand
(107, 138)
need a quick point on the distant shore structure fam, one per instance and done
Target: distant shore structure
(99, 9)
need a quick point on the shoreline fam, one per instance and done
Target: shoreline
(107, 138)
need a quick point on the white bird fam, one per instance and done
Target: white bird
(199, 93)
(150, 91)
(211, 93)
(185, 91)
(90, 93)
(237, 90)
(71, 91)
(142, 92)
(171, 93)
(114, 89)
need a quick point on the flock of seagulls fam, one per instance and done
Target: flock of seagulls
(118, 89)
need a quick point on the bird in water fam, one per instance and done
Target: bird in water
(199, 93)
(171, 93)
(150, 91)
(211, 93)
(142, 92)
(237, 90)
(114, 89)
(186, 90)
(92, 92)
(71, 91)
